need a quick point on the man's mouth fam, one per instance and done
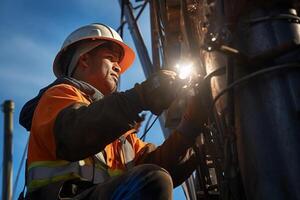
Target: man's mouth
(115, 77)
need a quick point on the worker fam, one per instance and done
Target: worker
(83, 143)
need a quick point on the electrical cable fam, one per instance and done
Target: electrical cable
(143, 137)
(253, 75)
(218, 72)
(151, 124)
(149, 128)
(146, 126)
(290, 17)
(148, 121)
(20, 167)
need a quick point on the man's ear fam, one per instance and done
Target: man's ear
(83, 61)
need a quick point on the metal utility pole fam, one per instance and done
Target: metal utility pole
(8, 108)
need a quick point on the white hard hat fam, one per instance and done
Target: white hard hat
(94, 32)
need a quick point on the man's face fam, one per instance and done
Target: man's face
(103, 68)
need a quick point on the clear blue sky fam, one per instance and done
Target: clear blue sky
(31, 33)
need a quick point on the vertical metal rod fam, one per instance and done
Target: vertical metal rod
(8, 108)
(154, 35)
(137, 38)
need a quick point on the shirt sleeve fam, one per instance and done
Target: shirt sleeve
(176, 155)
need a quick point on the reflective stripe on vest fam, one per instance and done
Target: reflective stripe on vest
(127, 152)
(42, 173)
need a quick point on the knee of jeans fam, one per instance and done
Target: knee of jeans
(147, 168)
(157, 174)
(163, 178)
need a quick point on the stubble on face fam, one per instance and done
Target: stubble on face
(102, 62)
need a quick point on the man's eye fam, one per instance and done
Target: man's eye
(112, 58)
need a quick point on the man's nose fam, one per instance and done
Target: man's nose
(117, 68)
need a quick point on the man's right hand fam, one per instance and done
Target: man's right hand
(158, 91)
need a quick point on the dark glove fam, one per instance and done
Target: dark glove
(158, 91)
(194, 111)
(194, 117)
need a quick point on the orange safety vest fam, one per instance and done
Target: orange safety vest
(43, 165)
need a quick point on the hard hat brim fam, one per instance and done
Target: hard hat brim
(125, 62)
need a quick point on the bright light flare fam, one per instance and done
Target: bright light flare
(184, 71)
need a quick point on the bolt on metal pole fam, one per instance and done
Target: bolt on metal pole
(8, 108)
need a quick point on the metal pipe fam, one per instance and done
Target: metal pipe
(8, 108)
(267, 125)
(137, 38)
